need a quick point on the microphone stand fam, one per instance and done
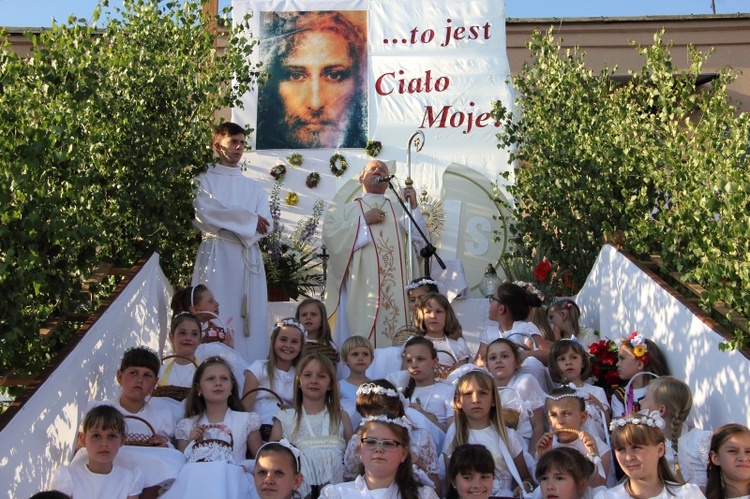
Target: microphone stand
(429, 250)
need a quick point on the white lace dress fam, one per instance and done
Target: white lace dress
(322, 454)
(358, 489)
(283, 384)
(693, 448)
(225, 477)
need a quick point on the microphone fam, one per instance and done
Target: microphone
(382, 180)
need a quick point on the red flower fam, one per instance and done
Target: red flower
(612, 378)
(542, 270)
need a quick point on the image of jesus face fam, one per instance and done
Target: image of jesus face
(315, 96)
(316, 90)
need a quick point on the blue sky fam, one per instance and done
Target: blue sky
(39, 13)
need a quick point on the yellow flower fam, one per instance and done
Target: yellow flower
(292, 199)
(639, 350)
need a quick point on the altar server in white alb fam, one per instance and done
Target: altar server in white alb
(232, 213)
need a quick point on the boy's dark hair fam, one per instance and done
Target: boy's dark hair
(105, 417)
(50, 494)
(141, 357)
(227, 129)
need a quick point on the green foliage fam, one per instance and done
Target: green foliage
(654, 162)
(100, 135)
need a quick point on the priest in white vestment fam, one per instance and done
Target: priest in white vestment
(367, 269)
(232, 213)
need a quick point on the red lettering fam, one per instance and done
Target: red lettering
(379, 84)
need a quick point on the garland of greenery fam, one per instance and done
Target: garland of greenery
(336, 170)
(278, 172)
(312, 180)
(373, 148)
(295, 159)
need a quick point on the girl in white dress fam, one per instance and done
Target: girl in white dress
(687, 448)
(638, 442)
(102, 435)
(276, 374)
(416, 290)
(510, 307)
(215, 436)
(432, 399)
(479, 420)
(380, 397)
(277, 471)
(438, 323)
(563, 473)
(564, 316)
(470, 472)
(570, 364)
(729, 465)
(317, 425)
(503, 361)
(386, 462)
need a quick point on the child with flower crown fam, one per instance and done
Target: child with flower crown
(386, 464)
(276, 373)
(418, 289)
(638, 442)
(638, 360)
(378, 398)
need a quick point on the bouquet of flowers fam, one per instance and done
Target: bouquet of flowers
(604, 364)
(290, 260)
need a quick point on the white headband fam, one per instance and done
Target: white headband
(576, 393)
(402, 421)
(367, 388)
(292, 323)
(652, 419)
(419, 284)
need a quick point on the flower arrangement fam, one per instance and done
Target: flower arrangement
(604, 364)
(640, 349)
(530, 288)
(538, 275)
(290, 260)
(294, 159)
(373, 148)
(312, 180)
(338, 159)
(278, 172)
(292, 198)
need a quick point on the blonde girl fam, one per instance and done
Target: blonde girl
(316, 425)
(503, 361)
(424, 394)
(386, 464)
(311, 313)
(686, 448)
(638, 442)
(276, 373)
(564, 316)
(277, 471)
(438, 323)
(479, 420)
(563, 473)
(638, 360)
(570, 364)
(215, 436)
(729, 465)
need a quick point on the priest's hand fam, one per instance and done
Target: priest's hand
(411, 195)
(374, 216)
(262, 225)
